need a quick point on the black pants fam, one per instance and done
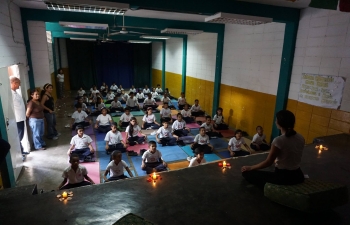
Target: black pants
(151, 125)
(206, 148)
(69, 186)
(125, 124)
(96, 113)
(241, 153)
(137, 139)
(119, 147)
(135, 108)
(151, 167)
(152, 106)
(140, 100)
(117, 178)
(181, 132)
(280, 176)
(20, 130)
(82, 153)
(221, 126)
(213, 134)
(121, 109)
(181, 107)
(167, 119)
(84, 124)
(104, 129)
(188, 119)
(170, 141)
(263, 147)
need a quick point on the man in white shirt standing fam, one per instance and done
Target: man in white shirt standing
(20, 111)
(60, 79)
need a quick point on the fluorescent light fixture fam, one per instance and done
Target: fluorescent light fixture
(97, 26)
(139, 42)
(88, 6)
(181, 31)
(83, 39)
(228, 18)
(155, 37)
(80, 33)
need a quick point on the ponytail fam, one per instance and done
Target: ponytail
(286, 120)
(290, 132)
(131, 127)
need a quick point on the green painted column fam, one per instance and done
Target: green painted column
(163, 64)
(29, 55)
(290, 36)
(218, 68)
(150, 66)
(54, 56)
(184, 63)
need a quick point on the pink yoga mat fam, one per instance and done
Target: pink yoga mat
(201, 118)
(227, 133)
(137, 148)
(192, 125)
(93, 169)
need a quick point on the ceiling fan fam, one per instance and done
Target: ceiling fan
(125, 31)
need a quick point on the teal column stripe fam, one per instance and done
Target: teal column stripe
(218, 68)
(163, 64)
(3, 132)
(184, 63)
(290, 36)
(150, 67)
(29, 55)
(54, 58)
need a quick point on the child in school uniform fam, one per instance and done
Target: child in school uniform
(235, 143)
(146, 90)
(99, 105)
(81, 143)
(75, 175)
(105, 91)
(209, 128)
(218, 119)
(155, 95)
(83, 105)
(166, 91)
(123, 97)
(165, 114)
(196, 109)
(149, 102)
(152, 159)
(81, 92)
(159, 89)
(182, 101)
(116, 168)
(164, 135)
(132, 103)
(202, 141)
(133, 89)
(103, 122)
(187, 114)
(132, 133)
(114, 87)
(103, 86)
(79, 117)
(125, 118)
(140, 96)
(179, 127)
(110, 97)
(149, 120)
(165, 99)
(86, 99)
(114, 140)
(259, 142)
(198, 159)
(94, 92)
(116, 105)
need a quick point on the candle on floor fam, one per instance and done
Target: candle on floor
(154, 176)
(224, 164)
(64, 195)
(321, 147)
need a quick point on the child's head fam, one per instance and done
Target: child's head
(127, 110)
(84, 95)
(94, 87)
(165, 124)
(146, 87)
(110, 92)
(133, 121)
(165, 105)
(179, 117)
(165, 95)
(116, 156)
(139, 90)
(132, 86)
(131, 94)
(104, 111)
(120, 86)
(196, 102)
(79, 107)
(80, 130)
(80, 100)
(149, 96)
(158, 85)
(103, 83)
(122, 92)
(114, 127)
(182, 94)
(199, 153)
(208, 119)
(202, 131)
(99, 100)
(152, 146)
(80, 88)
(74, 160)
(186, 107)
(115, 98)
(219, 111)
(149, 110)
(153, 89)
(238, 134)
(259, 130)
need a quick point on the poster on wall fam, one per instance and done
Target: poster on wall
(320, 90)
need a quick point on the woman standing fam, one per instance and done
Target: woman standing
(47, 102)
(35, 113)
(60, 79)
(286, 151)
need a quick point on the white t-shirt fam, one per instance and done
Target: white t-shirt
(194, 162)
(126, 118)
(258, 139)
(83, 106)
(113, 138)
(202, 140)
(104, 120)
(102, 88)
(149, 101)
(236, 144)
(149, 118)
(159, 90)
(151, 158)
(195, 108)
(181, 101)
(154, 94)
(100, 106)
(94, 92)
(81, 93)
(124, 97)
(291, 151)
(81, 142)
(164, 133)
(132, 102)
(167, 99)
(114, 87)
(217, 119)
(60, 77)
(79, 117)
(207, 127)
(110, 96)
(116, 170)
(133, 90)
(117, 104)
(178, 125)
(185, 113)
(146, 91)
(19, 107)
(137, 129)
(75, 177)
(140, 96)
(165, 112)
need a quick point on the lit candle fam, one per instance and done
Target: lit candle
(321, 147)
(224, 164)
(154, 176)
(64, 195)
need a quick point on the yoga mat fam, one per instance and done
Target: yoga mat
(93, 169)
(187, 149)
(172, 153)
(116, 119)
(175, 104)
(211, 157)
(195, 131)
(108, 105)
(137, 161)
(201, 118)
(218, 143)
(227, 133)
(88, 131)
(137, 148)
(192, 125)
(187, 139)
(157, 115)
(174, 112)
(225, 154)
(115, 114)
(137, 113)
(178, 165)
(100, 136)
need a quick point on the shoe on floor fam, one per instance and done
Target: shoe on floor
(42, 148)
(58, 134)
(25, 153)
(189, 158)
(67, 126)
(54, 138)
(153, 133)
(149, 128)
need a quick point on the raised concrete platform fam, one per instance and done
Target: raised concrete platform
(200, 195)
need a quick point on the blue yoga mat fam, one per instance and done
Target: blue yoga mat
(175, 104)
(172, 153)
(188, 150)
(151, 138)
(211, 157)
(137, 161)
(225, 154)
(195, 131)
(101, 146)
(218, 143)
(100, 136)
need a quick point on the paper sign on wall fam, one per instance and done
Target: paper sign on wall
(320, 90)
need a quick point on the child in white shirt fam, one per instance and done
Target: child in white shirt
(182, 101)
(196, 109)
(235, 143)
(140, 96)
(146, 90)
(165, 99)
(165, 114)
(114, 140)
(123, 97)
(152, 159)
(125, 118)
(149, 120)
(218, 119)
(179, 127)
(113, 87)
(81, 143)
(79, 117)
(103, 122)
(110, 96)
(198, 159)
(133, 89)
(187, 114)
(132, 133)
(164, 135)
(149, 102)
(209, 129)
(81, 92)
(155, 95)
(159, 89)
(132, 103)
(259, 142)
(116, 105)
(116, 168)
(98, 106)
(83, 105)
(202, 141)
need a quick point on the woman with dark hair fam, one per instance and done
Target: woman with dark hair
(286, 151)
(35, 113)
(48, 103)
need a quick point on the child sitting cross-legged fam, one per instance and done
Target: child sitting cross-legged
(202, 141)
(164, 135)
(155, 95)
(110, 96)
(196, 109)
(114, 140)
(209, 129)
(218, 119)
(103, 122)
(116, 105)
(132, 133)
(182, 101)
(125, 118)
(79, 117)
(149, 120)
(132, 103)
(235, 143)
(75, 174)
(83, 105)
(140, 96)
(165, 113)
(152, 160)
(179, 127)
(159, 89)
(115, 168)
(199, 157)
(81, 143)
(259, 142)
(187, 114)
(149, 102)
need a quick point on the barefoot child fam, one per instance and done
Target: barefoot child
(132, 133)
(149, 102)
(116, 168)
(179, 127)
(196, 109)
(116, 105)
(182, 101)
(152, 160)
(132, 103)
(149, 120)
(79, 117)
(259, 142)
(187, 114)
(125, 118)
(202, 141)
(81, 143)
(159, 89)
(114, 140)
(165, 114)
(164, 135)
(235, 143)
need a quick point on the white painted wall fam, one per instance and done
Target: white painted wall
(201, 56)
(157, 55)
(252, 56)
(63, 51)
(50, 52)
(39, 52)
(173, 55)
(323, 47)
